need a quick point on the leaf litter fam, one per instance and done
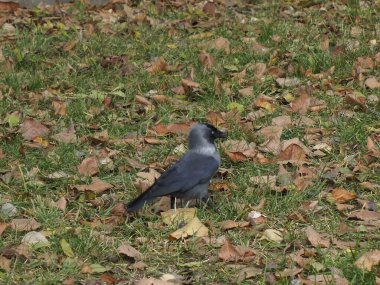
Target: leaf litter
(302, 126)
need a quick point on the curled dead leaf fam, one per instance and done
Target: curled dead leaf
(315, 238)
(89, 166)
(368, 260)
(341, 195)
(192, 228)
(31, 128)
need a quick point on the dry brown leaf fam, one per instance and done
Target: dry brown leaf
(272, 134)
(220, 44)
(259, 69)
(341, 195)
(289, 272)
(61, 204)
(302, 103)
(229, 224)
(9, 6)
(228, 252)
(215, 118)
(70, 45)
(24, 224)
(194, 227)
(189, 85)
(282, 121)
(325, 279)
(266, 103)
(209, 8)
(368, 260)
(5, 264)
(325, 44)
(372, 83)
(31, 128)
(372, 147)
(157, 65)
(175, 128)
(152, 281)
(207, 60)
(129, 251)
(97, 186)
(66, 136)
(259, 48)
(293, 151)
(146, 179)
(239, 150)
(3, 227)
(315, 238)
(59, 108)
(246, 92)
(247, 273)
(365, 215)
(89, 166)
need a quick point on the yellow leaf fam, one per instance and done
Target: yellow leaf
(66, 248)
(177, 216)
(194, 227)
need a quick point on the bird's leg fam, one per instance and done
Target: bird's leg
(172, 202)
(209, 203)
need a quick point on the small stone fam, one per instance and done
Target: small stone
(8, 210)
(35, 238)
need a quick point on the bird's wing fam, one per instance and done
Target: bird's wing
(191, 170)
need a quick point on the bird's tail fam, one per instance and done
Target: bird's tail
(139, 202)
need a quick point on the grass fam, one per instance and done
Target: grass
(39, 63)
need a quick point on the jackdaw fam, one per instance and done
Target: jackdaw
(190, 176)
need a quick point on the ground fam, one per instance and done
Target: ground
(97, 101)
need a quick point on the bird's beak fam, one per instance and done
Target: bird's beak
(221, 134)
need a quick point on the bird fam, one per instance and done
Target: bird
(190, 176)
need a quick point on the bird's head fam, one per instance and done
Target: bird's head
(203, 134)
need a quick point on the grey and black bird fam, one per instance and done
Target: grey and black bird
(190, 176)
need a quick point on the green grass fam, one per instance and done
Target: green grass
(39, 63)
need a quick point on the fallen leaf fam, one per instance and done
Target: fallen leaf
(174, 128)
(31, 129)
(293, 151)
(259, 69)
(60, 204)
(194, 227)
(209, 8)
(272, 135)
(70, 45)
(214, 118)
(178, 216)
(248, 273)
(207, 60)
(5, 263)
(152, 281)
(341, 195)
(356, 98)
(372, 83)
(97, 186)
(239, 150)
(365, 215)
(266, 103)
(246, 92)
(89, 166)
(9, 6)
(129, 251)
(24, 224)
(59, 108)
(289, 272)
(368, 260)
(3, 227)
(228, 252)
(259, 48)
(272, 235)
(315, 238)
(229, 224)
(157, 65)
(146, 179)
(302, 103)
(66, 136)
(220, 44)
(288, 82)
(282, 121)
(66, 248)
